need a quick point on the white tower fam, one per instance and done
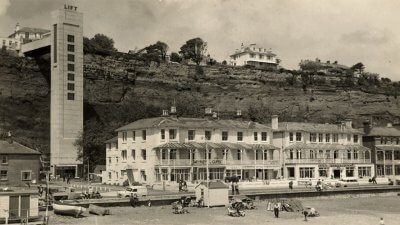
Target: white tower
(66, 112)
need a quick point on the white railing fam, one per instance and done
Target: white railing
(338, 160)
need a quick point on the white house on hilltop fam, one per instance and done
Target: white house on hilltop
(254, 55)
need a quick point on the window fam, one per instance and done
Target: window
(109, 175)
(124, 154)
(172, 134)
(313, 137)
(320, 138)
(350, 171)
(191, 134)
(323, 172)
(355, 138)
(70, 87)
(172, 154)
(291, 154)
(388, 155)
(116, 159)
(124, 136)
(109, 160)
(311, 154)
(71, 96)
(327, 154)
(335, 138)
(348, 137)
(3, 175)
(255, 136)
(143, 135)
(396, 155)
(348, 154)
(388, 170)
(133, 154)
(379, 155)
(239, 154)
(71, 67)
(224, 135)
(55, 43)
(327, 138)
(336, 154)
(290, 136)
(71, 48)
(162, 134)
(207, 135)
(306, 172)
(207, 156)
(70, 38)
(71, 58)
(133, 135)
(320, 154)
(240, 136)
(71, 77)
(144, 156)
(4, 159)
(355, 154)
(298, 136)
(263, 136)
(364, 171)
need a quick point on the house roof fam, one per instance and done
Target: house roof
(214, 185)
(30, 30)
(300, 146)
(182, 122)
(15, 148)
(211, 145)
(316, 127)
(112, 140)
(384, 131)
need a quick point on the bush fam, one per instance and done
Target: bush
(125, 183)
(100, 44)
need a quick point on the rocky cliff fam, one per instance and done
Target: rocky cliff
(121, 90)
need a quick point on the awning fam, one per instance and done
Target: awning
(212, 145)
(301, 146)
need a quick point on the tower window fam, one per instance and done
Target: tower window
(71, 76)
(70, 38)
(71, 87)
(71, 48)
(71, 96)
(71, 57)
(71, 67)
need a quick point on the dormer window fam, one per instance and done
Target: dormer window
(191, 135)
(172, 134)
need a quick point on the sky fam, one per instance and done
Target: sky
(347, 31)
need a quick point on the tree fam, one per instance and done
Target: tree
(224, 62)
(175, 57)
(158, 50)
(358, 67)
(194, 49)
(100, 44)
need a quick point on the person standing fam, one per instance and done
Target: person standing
(233, 188)
(381, 222)
(237, 188)
(291, 184)
(276, 210)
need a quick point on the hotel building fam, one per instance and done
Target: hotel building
(314, 151)
(385, 144)
(170, 148)
(254, 55)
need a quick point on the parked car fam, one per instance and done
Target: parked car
(347, 182)
(138, 190)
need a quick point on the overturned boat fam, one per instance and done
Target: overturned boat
(67, 210)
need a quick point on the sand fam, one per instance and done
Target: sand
(333, 211)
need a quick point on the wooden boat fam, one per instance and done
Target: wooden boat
(67, 210)
(97, 210)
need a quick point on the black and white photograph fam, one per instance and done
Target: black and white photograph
(197, 112)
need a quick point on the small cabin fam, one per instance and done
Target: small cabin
(18, 205)
(213, 193)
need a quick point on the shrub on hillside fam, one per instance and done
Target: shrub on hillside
(100, 44)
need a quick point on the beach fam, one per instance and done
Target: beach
(333, 211)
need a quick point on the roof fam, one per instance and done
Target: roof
(316, 127)
(31, 30)
(182, 122)
(388, 147)
(384, 131)
(211, 145)
(214, 184)
(114, 139)
(299, 146)
(99, 168)
(16, 148)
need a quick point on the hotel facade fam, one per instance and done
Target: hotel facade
(170, 148)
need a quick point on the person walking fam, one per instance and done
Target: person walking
(291, 185)
(381, 222)
(374, 180)
(233, 188)
(276, 210)
(237, 188)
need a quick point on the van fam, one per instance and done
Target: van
(132, 190)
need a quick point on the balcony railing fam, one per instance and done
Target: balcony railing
(203, 162)
(328, 160)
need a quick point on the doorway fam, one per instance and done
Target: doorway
(336, 173)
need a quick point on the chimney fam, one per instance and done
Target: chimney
(165, 112)
(348, 123)
(274, 122)
(173, 111)
(389, 125)
(17, 27)
(367, 127)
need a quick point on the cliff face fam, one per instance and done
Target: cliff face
(119, 91)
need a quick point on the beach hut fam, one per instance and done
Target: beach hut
(213, 193)
(18, 205)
